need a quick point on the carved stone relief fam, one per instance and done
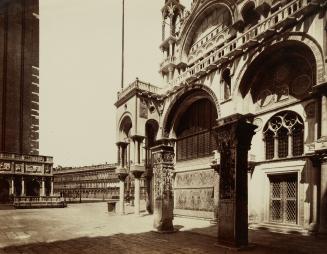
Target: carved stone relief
(195, 199)
(5, 166)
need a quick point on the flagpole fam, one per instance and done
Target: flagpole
(122, 48)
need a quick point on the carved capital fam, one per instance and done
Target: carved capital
(235, 131)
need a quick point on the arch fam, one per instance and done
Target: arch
(197, 17)
(4, 191)
(125, 126)
(248, 13)
(189, 94)
(304, 40)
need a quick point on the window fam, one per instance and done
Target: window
(283, 198)
(226, 82)
(195, 137)
(270, 145)
(283, 135)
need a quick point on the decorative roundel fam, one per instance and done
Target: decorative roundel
(281, 73)
(265, 98)
(301, 84)
(258, 122)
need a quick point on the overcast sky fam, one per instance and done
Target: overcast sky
(80, 66)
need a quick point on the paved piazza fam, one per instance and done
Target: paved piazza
(88, 228)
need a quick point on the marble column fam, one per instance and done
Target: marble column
(23, 187)
(234, 135)
(137, 176)
(163, 167)
(51, 190)
(12, 190)
(122, 176)
(149, 197)
(290, 145)
(42, 193)
(314, 171)
(276, 146)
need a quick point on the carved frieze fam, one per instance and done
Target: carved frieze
(36, 169)
(194, 199)
(202, 178)
(5, 166)
(19, 167)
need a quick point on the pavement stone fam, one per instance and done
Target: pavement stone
(89, 228)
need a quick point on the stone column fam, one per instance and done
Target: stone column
(137, 175)
(215, 165)
(234, 135)
(23, 187)
(275, 146)
(122, 174)
(171, 73)
(42, 193)
(314, 170)
(12, 190)
(148, 180)
(290, 145)
(163, 166)
(51, 190)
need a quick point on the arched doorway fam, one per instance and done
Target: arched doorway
(33, 188)
(4, 191)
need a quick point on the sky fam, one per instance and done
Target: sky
(80, 72)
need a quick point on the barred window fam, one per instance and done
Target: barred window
(283, 198)
(195, 137)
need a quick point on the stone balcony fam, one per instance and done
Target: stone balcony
(287, 15)
(138, 85)
(166, 63)
(25, 164)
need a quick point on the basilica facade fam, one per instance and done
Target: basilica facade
(261, 60)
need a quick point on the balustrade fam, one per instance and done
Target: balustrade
(291, 11)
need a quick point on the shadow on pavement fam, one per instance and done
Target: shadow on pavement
(184, 242)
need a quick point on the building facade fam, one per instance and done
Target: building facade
(22, 171)
(87, 183)
(260, 58)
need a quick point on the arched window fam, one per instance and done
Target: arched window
(226, 83)
(195, 138)
(283, 135)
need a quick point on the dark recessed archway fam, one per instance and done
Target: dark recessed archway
(4, 191)
(287, 68)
